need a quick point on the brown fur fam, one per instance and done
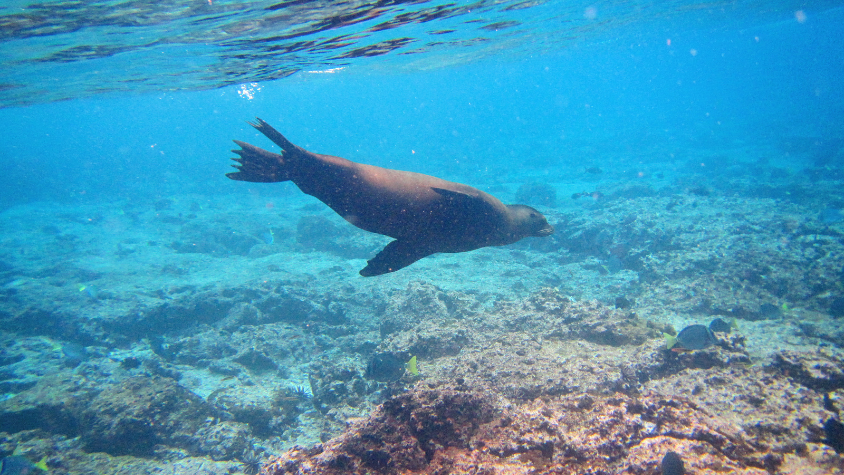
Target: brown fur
(425, 214)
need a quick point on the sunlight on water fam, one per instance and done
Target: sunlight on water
(84, 48)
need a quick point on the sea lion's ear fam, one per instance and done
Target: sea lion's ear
(471, 203)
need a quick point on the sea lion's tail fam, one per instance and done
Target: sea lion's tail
(261, 166)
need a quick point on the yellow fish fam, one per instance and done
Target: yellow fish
(411, 366)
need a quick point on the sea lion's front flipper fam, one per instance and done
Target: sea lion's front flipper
(396, 255)
(258, 165)
(472, 204)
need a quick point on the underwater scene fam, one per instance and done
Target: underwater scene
(421, 237)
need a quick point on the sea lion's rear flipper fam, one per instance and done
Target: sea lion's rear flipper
(260, 166)
(274, 135)
(396, 255)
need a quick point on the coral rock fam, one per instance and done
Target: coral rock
(451, 432)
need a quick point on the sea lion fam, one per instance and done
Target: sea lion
(424, 214)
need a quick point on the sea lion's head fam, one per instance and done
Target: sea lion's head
(528, 221)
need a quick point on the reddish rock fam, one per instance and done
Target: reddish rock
(452, 432)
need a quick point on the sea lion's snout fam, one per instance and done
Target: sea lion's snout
(546, 231)
(529, 221)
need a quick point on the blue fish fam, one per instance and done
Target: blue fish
(17, 465)
(693, 337)
(268, 237)
(723, 326)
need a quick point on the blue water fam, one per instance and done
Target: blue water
(703, 144)
(621, 87)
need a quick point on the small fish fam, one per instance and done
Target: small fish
(594, 170)
(722, 326)
(18, 465)
(770, 311)
(90, 291)
(672, 464)
(54, 345)
(834, 431)
(411, 366)
(693, 337)
(385, 367)
(74, 354)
